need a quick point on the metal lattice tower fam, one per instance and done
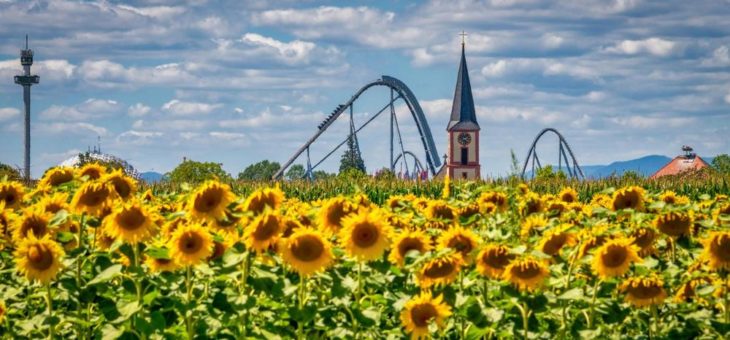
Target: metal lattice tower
(26, 80)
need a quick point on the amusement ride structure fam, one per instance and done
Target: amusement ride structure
(571, 167)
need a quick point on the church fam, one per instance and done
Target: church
(462, 158)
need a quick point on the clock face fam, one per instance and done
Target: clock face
(464, 138)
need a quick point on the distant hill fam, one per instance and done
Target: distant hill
(151, 176)
(646, 166)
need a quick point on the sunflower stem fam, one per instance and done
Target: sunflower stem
(245, 271)
(302, 295)
(49, 303)
(655, 318)
(79, 267)
(593, 304)
(188, 300)
(727, 299)
(359, 281)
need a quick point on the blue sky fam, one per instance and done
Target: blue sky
(236, 82)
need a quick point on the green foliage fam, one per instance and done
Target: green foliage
(547, 172)
(515, 164)
(352, 159)
(320, 175)
(385, 174)
(11, 173)
(295, 172)
(197, 172)
(261, 171)
(631, 175)
(351, 174)
(721, 163)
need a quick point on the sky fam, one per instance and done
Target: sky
(237, 82)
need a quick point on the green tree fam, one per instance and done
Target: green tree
(196, 172)
(547, 172)
(261, 171)
(296, 172)
(721, 163)
(12, 174)
(321, 175)
(352, 159)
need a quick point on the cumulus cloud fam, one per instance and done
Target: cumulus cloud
(7, 113)
(77, 128)
(183, 108)
(138, 110)
(90, 109)
(654, 46)
(133, 137)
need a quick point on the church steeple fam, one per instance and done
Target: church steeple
(463, 115)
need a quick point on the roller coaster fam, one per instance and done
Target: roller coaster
(572, 167)
(398, 91)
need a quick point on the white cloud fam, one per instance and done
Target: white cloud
(181, 108)
(170, 124)
(646, 122)
(138, 110)
(293, 52)
(552, 41)
(90, 109)
(495, 69)
(653, 46)
(227, 135)
(133, 137)
(720, 57)
(7, 113)
(79, 128)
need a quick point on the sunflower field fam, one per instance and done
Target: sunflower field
(90, 253)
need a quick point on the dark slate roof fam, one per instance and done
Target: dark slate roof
(463, 115)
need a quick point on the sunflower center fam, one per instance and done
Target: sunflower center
(9, 198)
(721, 248)
(554, 244)
(53, 207)
(307, 248)
(439, 269)
(92, 173)
(568, 198)
(422, 314)
(408, 244)
(443, 212)
(364, 235)
(208, 200)
(190, 243)
(34, 225)
(526, 270)
(163, 262)
(58, 178)
(644, 238)
(533, 206)
(121, 187)
(614, 256)
(40, 257)
(131, 219)
(461, 244)
(335, 213)
(266, 228)
(218, 250)
(674, 225)
(497, 258)
(645, 291)
(94, 197)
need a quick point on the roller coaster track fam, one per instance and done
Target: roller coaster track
(573, 169)
(396, 86)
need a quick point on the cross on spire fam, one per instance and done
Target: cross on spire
(463, 37)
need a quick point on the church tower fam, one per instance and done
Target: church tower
(463, 155)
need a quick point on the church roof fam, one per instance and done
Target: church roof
(463, 115)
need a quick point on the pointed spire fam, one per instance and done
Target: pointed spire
(463, 115)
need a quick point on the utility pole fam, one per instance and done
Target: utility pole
(27, 80)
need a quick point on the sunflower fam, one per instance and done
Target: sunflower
(190, 244)
(440, 214)
(33, 221)
(131, 222)
(601, 200)
(687, 290)
(210, 201)
(472, 209)
(532, 224)
(57, 176)
(263, 231)
(92, 171)
(39, 259)
(12, 194)
(332, 213)
(523, 189)
(420, 311)
(54, 203)
(644, 291)
(159, 265)
(407, 241)
(614, 257)
(628, 198)
(555, 239)
(397, 202)
(531, 203)
(124, 185)
(675, 224)
(3, 309)
(148, 196)
(169, 227)
(493, 259)
(499, 199)
(262, 198)
(221, 243)
(463, 241)
(92, 198)
(670, 197)
(365, 235)
(590, 242)
(439, 271)
(291, 224)
(717, 250)
(229, 224)
(306, 251)
(568, 195)
(644, 238)
(6, 225)
(527, 273)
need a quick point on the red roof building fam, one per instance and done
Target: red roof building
(687, 162)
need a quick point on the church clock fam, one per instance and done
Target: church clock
(464, 139)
